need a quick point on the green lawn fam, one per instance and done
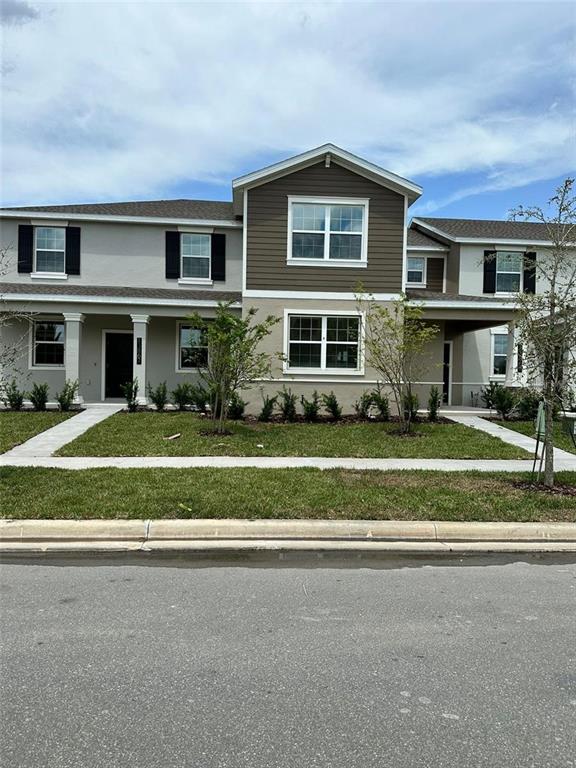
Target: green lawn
(277, 493)
(143, 434)
(561, 439)
(17, 427)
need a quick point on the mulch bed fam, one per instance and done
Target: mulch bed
(557, 490)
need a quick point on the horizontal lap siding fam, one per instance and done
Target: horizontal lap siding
(267, 232)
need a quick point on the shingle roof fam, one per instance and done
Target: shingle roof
(212, 210)
(420, 240)
(122, 293)
(489, 229)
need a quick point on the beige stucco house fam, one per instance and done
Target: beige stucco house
(110, 285)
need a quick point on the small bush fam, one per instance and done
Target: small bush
(200, 398)
(381, 403)
(268, 404)
(39, 396)
(527, 404)
(65, 398)
(130, 392)
(13, 396)
(410, 403)
(182, 396)
(489, 393)
(311, 407)
(159, 395)
(236, 407)
(287, 404)
(331, 404)
(363, 405)
(434, 403)
(504, 402)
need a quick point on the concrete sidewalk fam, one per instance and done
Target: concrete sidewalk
(243, 536)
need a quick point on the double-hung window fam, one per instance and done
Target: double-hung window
(50, 250)
(328, 233)
(195, 256)
(192, 348)
(47, 344)
(509, 269)
(323, 342)
(499, 354)
(416, 271)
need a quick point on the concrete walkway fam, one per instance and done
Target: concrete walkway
(509, 436)
(48, 442)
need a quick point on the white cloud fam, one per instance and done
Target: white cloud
(124, 100)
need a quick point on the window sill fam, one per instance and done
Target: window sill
(497, 377)
(46, 367)
(326, 263)
(323, 371)
(48, 275)
(415, 285)
(195, 281)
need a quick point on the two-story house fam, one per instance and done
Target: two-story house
(110, 285)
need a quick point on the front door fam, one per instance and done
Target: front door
(118, 363)
(447, 373)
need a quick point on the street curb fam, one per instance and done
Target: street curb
(225, 536)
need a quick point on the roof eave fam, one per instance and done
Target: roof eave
(64, 216)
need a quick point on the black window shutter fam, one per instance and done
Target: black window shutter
(530, 273)
(489, 271)
(172, 255)
(72, 250)
(218, 257)
(25, 247)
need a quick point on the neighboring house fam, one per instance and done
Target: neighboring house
(111, 284)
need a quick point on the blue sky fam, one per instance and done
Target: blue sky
(126, 101)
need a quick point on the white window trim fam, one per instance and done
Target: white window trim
(424, 281)
(48, 275)
(32, 341)
(504, 272)
(323, 370)
(360, 263)
(177, 368)
(196, 280)
(496, 376)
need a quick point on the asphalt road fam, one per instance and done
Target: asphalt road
(233, 667)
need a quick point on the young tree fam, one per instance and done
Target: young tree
(547, 319)
(395, 341)
(234, 361)
(13, 339)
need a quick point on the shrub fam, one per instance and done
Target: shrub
(13, 396)
(504, 402)
(287, 404)
(381, 403)
(434, 403)
(130, 392)
(200, 398)
(488, 394)
(65, 398)
(311, 407)
(159, 395)
(527, 404)
(268, 404)
(181, 395)
(331, 404)
(236, 407)
(410, 404)
(363, 404)
(39, 396)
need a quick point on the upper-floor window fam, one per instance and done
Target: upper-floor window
(416, 271)
(47, 344)
(327, 232)
(323, 342)
(509, 269)
(192, 348)
(50, 250)
(195, 256)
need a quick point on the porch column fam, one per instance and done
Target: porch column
(140, 334)
(511, 358)
(72, 339)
